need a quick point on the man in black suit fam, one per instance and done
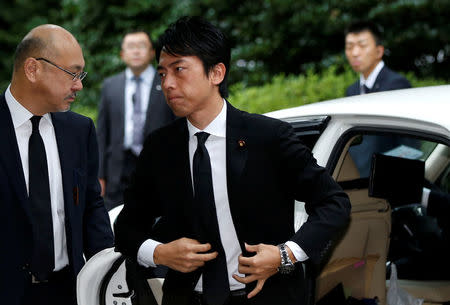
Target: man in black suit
(132, 105)
(213, 193)
(364, 52)
(52, 211)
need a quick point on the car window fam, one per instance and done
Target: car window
(309, 129)
(365, 146)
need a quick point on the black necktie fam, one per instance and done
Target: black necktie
(43, 257)
(216, 287)
(365, 89)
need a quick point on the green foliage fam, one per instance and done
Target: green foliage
(291, 91)
(268, 37)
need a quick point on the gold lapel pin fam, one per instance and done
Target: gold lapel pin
(241, 143)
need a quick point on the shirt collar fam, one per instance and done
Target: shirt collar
(19, 113)
(146, 75)
(216, 128)
(370, 81)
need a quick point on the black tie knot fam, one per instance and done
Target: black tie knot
(366, 89)
(35, 122)
(202, 137)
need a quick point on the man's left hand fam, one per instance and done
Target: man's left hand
(259, 267)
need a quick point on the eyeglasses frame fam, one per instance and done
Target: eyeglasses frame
(80, 75)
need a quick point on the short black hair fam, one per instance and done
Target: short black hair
(365, 25)
(28, 47)
(194, 36)
(136, 31)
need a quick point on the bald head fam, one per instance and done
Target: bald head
(46, 41)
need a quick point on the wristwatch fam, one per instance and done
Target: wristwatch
(287, 266)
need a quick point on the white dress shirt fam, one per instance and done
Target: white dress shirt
(130, 88)
(370, 81)
(22, 127)
(216, 146)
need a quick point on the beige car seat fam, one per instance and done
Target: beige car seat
(359, 259)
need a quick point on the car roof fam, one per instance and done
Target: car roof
(428, 104)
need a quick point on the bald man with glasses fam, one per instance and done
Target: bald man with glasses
(52, 212)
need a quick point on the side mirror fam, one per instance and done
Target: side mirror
(399, 180)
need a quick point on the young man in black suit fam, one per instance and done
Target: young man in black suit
(52, 211)
(132, 105)
(213, 193)
(364, 52)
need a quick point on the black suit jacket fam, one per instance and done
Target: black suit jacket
(110, 129)
(87, 223)
(264, 177)
(386, 80)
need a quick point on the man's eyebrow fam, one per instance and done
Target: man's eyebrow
(176, 62)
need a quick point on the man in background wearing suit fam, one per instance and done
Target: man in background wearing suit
(52, 211)
(213, 193)
(132, 105)
(364, 52)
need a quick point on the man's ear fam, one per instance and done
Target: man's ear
(31, 69)
(380, 52)
(217, 73)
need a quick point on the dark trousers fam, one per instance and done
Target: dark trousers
(238, 297)
(60, 289)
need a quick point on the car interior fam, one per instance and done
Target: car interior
(388, 224)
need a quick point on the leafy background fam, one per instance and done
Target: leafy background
(285, 52)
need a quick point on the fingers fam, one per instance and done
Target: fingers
(198, 248)
(258, 288)
(245, 279)
(248, 279)
(206, 256)
(245, 261)
(251, 248)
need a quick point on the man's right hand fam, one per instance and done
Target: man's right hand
(184, 254)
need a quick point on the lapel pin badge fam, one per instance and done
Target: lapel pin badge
(158, 87)
(241, 143)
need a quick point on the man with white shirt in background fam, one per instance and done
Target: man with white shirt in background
(132, 105)
(364, 51)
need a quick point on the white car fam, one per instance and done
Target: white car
(344, 135)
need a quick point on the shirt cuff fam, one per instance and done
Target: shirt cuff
(298, 252)
(145, 253)
(425, 196)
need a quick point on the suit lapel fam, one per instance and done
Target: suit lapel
(380, 78)
(10, 157)
(236, 147)
(66, 150)
(236, 154)
(179, 150)
(155, 91)
(120, 105)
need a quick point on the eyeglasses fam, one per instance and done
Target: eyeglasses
(80, 75)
